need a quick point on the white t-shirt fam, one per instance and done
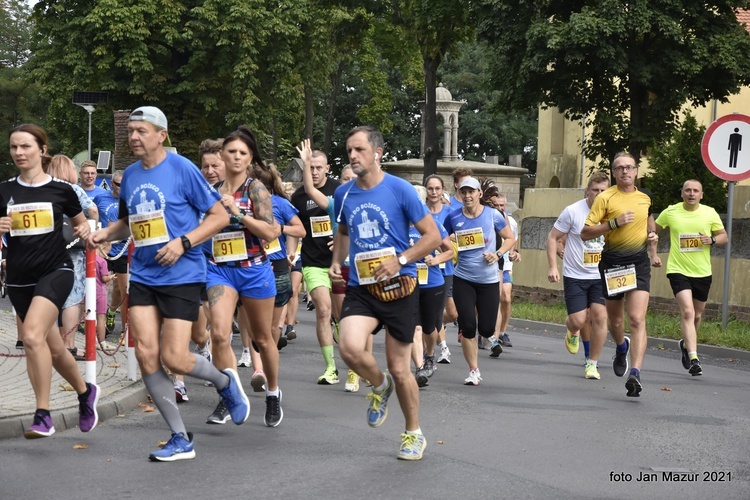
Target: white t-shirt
(581, 258)
(507, 264)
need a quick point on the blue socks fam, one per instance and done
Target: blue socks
(622, 347)
(587, 348)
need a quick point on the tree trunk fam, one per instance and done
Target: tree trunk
(336, 86)
(431, 143)
(309, 113)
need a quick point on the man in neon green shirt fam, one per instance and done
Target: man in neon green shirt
(692, 229)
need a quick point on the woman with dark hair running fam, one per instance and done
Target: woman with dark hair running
(240, 269)
(40, 272)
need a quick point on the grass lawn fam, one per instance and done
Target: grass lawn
(659, 325)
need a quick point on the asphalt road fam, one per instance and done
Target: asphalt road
(535, 428)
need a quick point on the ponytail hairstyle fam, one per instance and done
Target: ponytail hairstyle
(489, 189)
(271, 179)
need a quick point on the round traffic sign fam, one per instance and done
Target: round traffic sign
(723, 150)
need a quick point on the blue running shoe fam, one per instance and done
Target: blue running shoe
(412, 446)
(177, 448)
(496, 349)
(378, 410)
(235, 398)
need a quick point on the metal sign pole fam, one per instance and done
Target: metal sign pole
(727, 258)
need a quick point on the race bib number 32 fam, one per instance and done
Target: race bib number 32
(149, 228)
(620, 279)
(28, 219)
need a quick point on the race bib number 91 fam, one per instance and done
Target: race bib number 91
(229, 247)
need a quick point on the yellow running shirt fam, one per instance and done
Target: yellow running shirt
(629, 238)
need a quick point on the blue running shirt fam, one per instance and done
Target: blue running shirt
(440, 217)
(378, 218)
(434, 276)
(471, 264)
(283, 212)
(176, 187)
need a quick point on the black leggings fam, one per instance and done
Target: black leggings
(476, 300)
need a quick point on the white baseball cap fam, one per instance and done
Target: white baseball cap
(470, 182)
(152, 115)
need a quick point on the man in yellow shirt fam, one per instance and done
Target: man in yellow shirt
(622, 214)
(693, 228)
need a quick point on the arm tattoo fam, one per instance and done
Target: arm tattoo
(262, 207)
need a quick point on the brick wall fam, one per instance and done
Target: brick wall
(122, 155)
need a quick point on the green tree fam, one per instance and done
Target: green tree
(626, 68)
(20, 99)
(483, 129)
(677, 159)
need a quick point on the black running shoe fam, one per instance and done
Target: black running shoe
(220, 415)
(685, 357)
(695, 368)
(633, 385)
(620, 360)
(274, 413)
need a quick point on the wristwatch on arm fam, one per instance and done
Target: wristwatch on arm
(402, 260)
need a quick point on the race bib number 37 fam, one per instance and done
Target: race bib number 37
(28, 219)
(149, 228)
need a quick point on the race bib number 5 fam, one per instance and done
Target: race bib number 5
(367, 262)
(27, 219)
(149, 228)
(469, 239)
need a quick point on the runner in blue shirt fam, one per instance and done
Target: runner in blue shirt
(374, 213)
(431, 300)
(440, 209)
(475, 280)
(162, 196)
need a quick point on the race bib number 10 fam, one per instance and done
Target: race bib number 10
(27, 219)
(149, 228)
(591, 259)
(321, 226)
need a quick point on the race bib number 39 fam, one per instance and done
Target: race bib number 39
(228, 247)
(149, 228)
(469, 239)
(27, 219)
(690, 243)
(367, 262)
(620, 279)
(321, 226)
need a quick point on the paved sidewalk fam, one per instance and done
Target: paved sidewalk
(17, 402)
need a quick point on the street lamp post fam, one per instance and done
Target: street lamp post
(88, 101)
(90, 108)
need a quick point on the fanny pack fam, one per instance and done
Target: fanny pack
(395, 288)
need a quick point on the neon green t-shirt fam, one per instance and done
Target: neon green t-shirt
(687, 255)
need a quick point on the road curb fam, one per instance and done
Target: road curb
(117, 403)
(653, 342)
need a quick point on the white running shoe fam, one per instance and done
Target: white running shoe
(474, 378)
(245, 360)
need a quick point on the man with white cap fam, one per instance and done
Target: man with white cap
(161, 198)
